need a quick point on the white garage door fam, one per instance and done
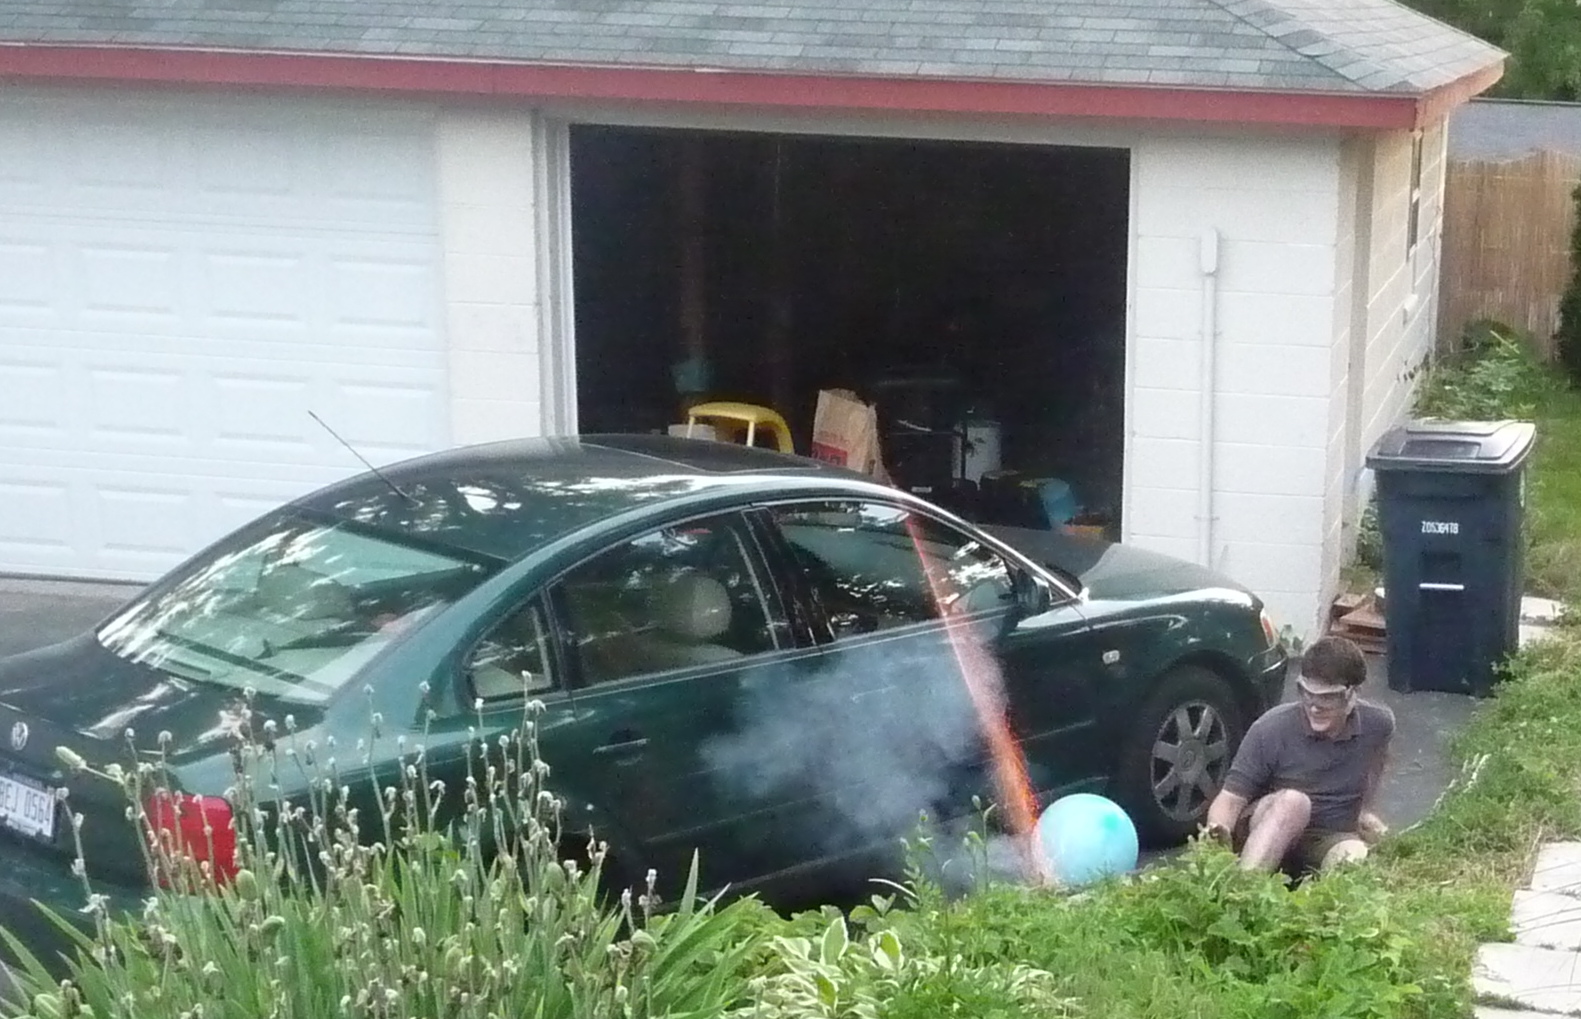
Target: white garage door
(182, 279)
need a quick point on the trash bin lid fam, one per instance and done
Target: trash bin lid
(1459, 447)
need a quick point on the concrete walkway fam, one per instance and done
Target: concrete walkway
(1540, 973)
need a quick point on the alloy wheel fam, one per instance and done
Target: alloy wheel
(1190, 757)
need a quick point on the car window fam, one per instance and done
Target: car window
(293, 607)
(873, 567)
(513, 659)
(677, 598)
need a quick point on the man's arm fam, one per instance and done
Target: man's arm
(1369, 825)
(1223, 813)
(1249, 773)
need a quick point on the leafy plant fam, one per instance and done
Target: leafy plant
(1493, 377)
(472, 919)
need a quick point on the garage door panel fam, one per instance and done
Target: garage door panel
(27, 280)
(322, 290)
(226, 408)
(35, 404)
(129, 281)
(383, 292)
(182, 280)
(38, 521)
(141, 407)
(144, 524)
(253, 161)
(188, 160)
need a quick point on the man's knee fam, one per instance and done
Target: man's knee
(1344, 851)
(1288, 808)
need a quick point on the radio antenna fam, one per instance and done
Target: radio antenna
(364, 459)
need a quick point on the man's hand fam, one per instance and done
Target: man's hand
(1216, 833)
(1371, 827)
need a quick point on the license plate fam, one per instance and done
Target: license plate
(27, 808)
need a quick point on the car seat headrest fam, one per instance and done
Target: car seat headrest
(694, 606)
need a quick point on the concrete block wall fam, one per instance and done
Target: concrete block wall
(490, 240)
(1278, 238)
(1403, 282)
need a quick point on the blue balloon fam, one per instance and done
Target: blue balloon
(1086, 837)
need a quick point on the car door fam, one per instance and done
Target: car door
(920, 627)
(665, 637)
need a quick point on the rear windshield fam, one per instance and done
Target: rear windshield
(293, 607)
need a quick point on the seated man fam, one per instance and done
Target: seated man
(1308, 771)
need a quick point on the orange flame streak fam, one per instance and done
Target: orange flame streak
(985, 685)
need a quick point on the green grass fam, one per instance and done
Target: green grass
(1554, 498)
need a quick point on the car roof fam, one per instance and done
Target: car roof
(506, 499)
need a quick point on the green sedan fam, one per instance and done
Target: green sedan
(773, 662)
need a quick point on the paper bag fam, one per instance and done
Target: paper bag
(845, 433)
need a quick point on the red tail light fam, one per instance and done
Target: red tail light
(178, 821)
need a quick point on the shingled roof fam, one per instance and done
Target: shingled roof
(1356, 47)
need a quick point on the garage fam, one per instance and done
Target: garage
(974, 293)
(183, 279)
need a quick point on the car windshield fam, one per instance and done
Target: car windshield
(292, 607)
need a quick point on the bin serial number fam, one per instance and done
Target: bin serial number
(1440, 527)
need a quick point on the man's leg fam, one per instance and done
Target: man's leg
(1278, 820)
(1349, 849)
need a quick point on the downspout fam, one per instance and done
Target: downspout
(1206, 392)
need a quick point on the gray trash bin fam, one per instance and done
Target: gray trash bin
(1451, 496)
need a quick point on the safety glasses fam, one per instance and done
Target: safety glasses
(1322, 695)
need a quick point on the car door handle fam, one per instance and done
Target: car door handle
(622, 742)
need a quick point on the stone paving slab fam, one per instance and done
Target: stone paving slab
(1535, 978)
(1547, 920)
(1541, 611)
(1558, 869)
(1485, 1012)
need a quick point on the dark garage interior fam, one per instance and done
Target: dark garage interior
(974, 293)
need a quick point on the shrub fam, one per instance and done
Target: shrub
(1569, 334)
(1494, 376)
(478, 918)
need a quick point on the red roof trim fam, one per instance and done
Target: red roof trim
(422, 75)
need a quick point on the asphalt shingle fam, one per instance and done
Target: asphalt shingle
(1332, 46)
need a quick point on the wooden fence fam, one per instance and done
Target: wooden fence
(1506, 250)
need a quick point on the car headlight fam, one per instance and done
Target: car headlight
(1268, 628)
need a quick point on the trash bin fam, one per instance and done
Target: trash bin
(1451, 496)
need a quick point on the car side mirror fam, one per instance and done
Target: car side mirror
(1033, 597)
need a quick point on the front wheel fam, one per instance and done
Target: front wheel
(1177, 753)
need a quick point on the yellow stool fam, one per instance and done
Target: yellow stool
(735, 418)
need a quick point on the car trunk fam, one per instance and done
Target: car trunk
(116, 714)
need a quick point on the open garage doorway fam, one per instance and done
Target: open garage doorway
(975, 293)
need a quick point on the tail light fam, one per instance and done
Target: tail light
(1268, 630)
(196, 828)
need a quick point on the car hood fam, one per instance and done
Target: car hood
(1110, 571)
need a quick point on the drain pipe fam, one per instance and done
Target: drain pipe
(1207, 392)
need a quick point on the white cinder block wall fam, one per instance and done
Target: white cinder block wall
(1402, 292)
(488, 232)
(1272, 201)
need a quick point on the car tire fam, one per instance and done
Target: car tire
(1178, 750)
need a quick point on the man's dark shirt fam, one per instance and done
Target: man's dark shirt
(1281, 751)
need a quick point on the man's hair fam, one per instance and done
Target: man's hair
(1334, 660)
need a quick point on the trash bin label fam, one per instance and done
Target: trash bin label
(1440, 527)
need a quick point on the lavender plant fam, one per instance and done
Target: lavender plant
(405, 914)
